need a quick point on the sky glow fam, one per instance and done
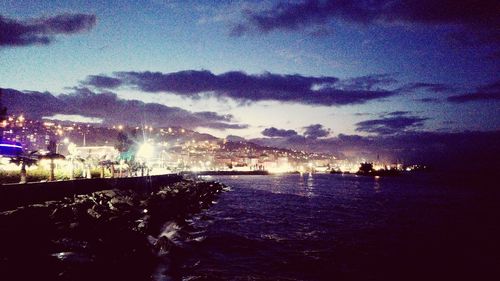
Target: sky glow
(241, 67)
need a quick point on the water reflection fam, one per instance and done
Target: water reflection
(302, 184)
(310, 186)
(345, 231)
(310, 181)
(376, 185)
(301, 179)
(305, 185)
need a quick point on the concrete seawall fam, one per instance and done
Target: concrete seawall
(16, 195)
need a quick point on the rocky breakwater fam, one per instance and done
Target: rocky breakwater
(106, 235)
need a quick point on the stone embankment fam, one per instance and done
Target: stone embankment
(102, 235)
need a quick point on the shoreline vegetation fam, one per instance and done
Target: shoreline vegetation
(40, 175)
(109, 234)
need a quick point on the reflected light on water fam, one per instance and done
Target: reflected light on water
(310, 186)
(376, 185)
(310, 181)
(301, 179)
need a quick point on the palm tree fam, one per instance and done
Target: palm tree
(74, 158)
(108, 164)
(52, 156)
(24, 160)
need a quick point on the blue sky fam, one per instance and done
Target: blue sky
(320, 41)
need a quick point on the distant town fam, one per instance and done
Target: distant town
(80, 150)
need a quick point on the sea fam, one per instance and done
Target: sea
(341, 227)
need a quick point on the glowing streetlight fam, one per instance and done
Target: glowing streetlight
(145, 152)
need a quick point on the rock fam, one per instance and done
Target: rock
(163, 245)
(108, 193)
(93, 213)
(74, 225)
(111, 223)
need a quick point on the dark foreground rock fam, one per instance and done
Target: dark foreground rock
(112, 234)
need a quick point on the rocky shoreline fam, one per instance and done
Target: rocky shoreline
(110, 234)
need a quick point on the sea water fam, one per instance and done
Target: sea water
(344, 227)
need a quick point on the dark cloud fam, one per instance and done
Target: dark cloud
(215, 116)
(489, 92)
(398, 113)
(368, 82)
(474, 97)
(247, 88)
(224, 126)
(34, 104)
(111, 109)
(299, 14)
(362, 113)
(428, 87)
(390, 125)
(315, 131)
(429, 100)
(41, 31)
(474, 37)
(101, 81)
(492, 87)
(282, 133)
(233, 138)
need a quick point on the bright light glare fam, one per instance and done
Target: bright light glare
(280, 169)
(145, 151)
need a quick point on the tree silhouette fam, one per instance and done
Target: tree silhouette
(123, 142)
(24, 160)
(366, 168)
(52, 155)
(125, 145)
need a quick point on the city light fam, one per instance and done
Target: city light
(10, 145)
(280, 169)
(175, 151)
(145, 152)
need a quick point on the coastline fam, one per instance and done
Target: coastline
(105, 235)
(16, 195)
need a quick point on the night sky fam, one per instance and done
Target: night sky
(325, 75)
